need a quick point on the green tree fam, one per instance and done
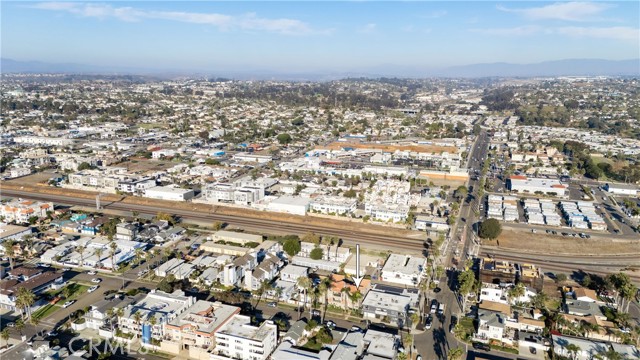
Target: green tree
(490, 229)
(84, 166)
(25, 298)
(316, 254)
(9, 251)
(455, 354)
(4, 334)
(292, 246)
(284, 139)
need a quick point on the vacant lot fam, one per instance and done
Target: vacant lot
(526, 241)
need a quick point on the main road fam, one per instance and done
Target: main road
(259, 224)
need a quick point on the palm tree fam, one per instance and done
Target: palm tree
(9, 251)
(573, 349)
(20, 326)
(265, 286)
(119, 314)
(24, 300)
(113, 249)
(4, 334)
(139, 254)
(539, 300)
(455, 354)
(110, 314)
(81, 250)
(516, 292)
(325, 286)
(304, 283)
(278, 291)
(99, 252)
(137, 318)
(344, 296)
(355, 299)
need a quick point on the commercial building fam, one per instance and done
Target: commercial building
(290, 205)
(238, 339)
(236, 237)
(169, 193)
(403, 269)
(523, 184)
(621, 189)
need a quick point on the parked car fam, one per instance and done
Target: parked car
(315, 312)
(143, 272)
(271, 304)
(68, 303)
(428, 322)
(331, 324)
(92, 272)
(434, 306)
(481, 346)
(96, 280)
(93, 288)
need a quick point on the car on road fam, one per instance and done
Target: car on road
(93, 288)
(68, 303)
(429, 322)
(143, 272)
(434, 306)
(355, 328)
(315, 312)
(66, 269)
(43, 265)
(419, 357)
(441, 309)
(51, 334)
(454, 321)
(271, 304)
(330, 324)
(11, 325)
(481, 346)
(96, 280)
(92, 272)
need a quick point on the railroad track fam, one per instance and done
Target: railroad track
(269, 226)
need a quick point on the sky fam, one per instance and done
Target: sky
(316, 35)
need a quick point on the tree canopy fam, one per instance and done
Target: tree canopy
(490, 229)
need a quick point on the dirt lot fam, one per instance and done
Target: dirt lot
(386, 147)
(525, 241)
(145, 165)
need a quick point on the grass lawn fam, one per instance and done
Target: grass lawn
(45, 311)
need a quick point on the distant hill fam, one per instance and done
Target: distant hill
(570, 67)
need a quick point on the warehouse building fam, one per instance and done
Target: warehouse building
(170, 192)
(523, 184)
(621, 189)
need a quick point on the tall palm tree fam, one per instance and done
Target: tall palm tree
(137, 318)
(139, 254)
(24, 300)
(325, 287)
(111, 312)
(119, 314)
(81, 250)
(113, 247)
(99, 252)
(304, 283)
(9, 251)
(152, 322)
(344, 297)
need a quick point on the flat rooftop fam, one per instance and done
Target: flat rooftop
(205, 316)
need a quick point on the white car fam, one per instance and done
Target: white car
(93, 288)
(68, 303)
(92, 272)
(96, 280)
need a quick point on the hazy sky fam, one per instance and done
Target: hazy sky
(317, 35)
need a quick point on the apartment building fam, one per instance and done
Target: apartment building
(403, 269)
(238, 339)
(20, 211)
(333, 205)
(196, 326)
